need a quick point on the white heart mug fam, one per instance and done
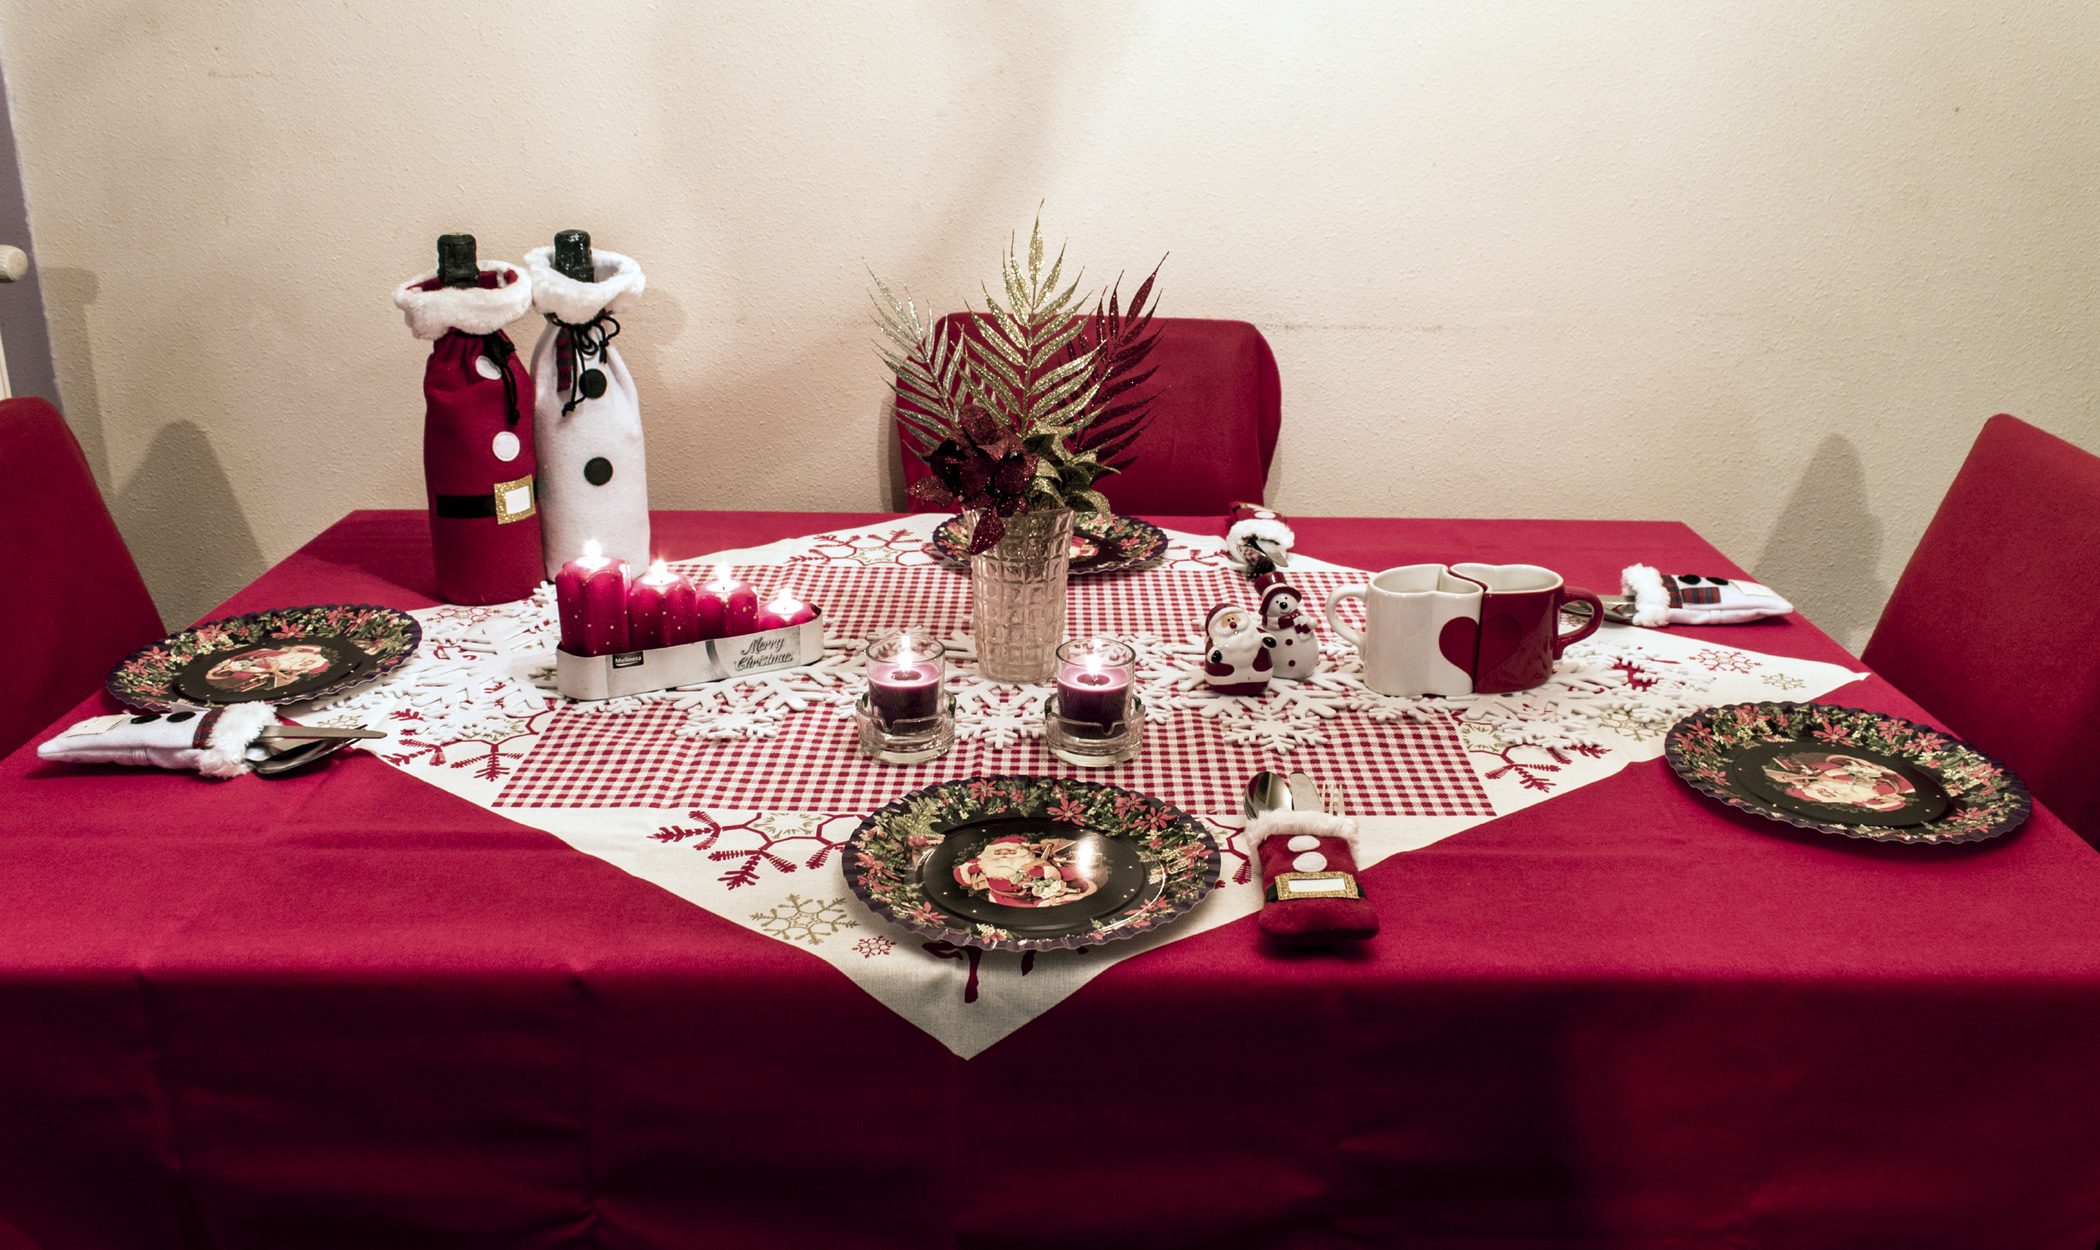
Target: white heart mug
(1421, 630)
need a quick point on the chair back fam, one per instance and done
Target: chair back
(79, 606)
(1213, 427)
(1995, 624)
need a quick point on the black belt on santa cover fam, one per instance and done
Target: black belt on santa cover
(463, 507)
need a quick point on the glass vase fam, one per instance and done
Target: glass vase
(1017, 596)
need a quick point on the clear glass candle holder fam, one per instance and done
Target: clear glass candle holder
(906, 715)
(1095, 718)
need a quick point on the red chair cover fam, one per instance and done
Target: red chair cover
(1213, 428)
(78, 605)
(1993, 624)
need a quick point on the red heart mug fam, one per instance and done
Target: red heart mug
(1520, 633)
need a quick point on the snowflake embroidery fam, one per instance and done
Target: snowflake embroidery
(471, 685)
(872, 945)
(763, 841)
(809, 921)
(1642, 721)
(1722, 660)
(1784, 681)
(898, 546)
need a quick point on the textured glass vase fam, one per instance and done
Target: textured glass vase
(1017, 596)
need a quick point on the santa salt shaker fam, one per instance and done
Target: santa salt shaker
(1282, 615)
(594, 477)
(478, 463)
(1238, 657)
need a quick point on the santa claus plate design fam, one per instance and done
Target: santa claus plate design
(285, 655)
(1847, 771)
(275, 670)
(1101, 543)
(1034, 876)
(1030, 863)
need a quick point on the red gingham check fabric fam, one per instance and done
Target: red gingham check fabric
(814, 764)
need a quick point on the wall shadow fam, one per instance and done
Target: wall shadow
(1826, 547)
(68, 294)
(187, 531)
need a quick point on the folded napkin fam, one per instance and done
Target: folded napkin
(1257, 540)
(1696, 599)
(210, 741)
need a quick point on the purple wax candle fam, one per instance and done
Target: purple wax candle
(905, 672)
(1093, 686)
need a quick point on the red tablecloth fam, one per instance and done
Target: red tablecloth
(346, 1009)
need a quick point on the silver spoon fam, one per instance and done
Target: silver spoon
(1266, 792)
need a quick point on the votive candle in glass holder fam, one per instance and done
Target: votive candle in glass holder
(1093, 719)
(906, 716)
(1093, 685)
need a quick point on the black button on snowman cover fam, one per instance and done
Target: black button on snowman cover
(597, 471)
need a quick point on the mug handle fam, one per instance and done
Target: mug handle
(1563, 639)
(1334, 618)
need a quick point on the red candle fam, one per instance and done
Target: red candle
(663, 609)
(738, 601)
(784, 610)
(1093, 685)
(905, 673)
(590, 593)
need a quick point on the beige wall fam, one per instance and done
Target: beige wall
(1761, 267)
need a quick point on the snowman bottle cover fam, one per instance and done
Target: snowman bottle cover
(478, 464)
(594, 478)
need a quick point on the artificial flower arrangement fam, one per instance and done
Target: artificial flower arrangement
(1025, 405)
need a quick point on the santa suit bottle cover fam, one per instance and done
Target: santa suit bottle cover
(594, 477)
(478, 465)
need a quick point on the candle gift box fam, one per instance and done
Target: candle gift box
(591, 677)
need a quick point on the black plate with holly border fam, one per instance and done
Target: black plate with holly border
(889, 853)
(1101, 543)
(1847, 771)
(153, 678)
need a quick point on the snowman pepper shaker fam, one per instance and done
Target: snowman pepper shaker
(594, 477)
(1282, 615)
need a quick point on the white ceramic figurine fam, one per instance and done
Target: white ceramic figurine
(1238, 657)
(1297, 646)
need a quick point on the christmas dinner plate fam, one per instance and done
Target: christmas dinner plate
(1847, 771)
(1030, 863)
(285, 655)
(1101, 543)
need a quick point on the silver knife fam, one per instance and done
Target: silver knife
(275, 732)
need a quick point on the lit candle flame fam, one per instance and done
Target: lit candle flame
(659, 572)
(721, 576)
(593, 550)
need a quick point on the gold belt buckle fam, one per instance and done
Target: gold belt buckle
(514, 501)
(1290, 885)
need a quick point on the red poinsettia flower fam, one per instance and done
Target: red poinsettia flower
(983, 469)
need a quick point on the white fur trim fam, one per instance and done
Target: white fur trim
(472, 309)
(226, 752)
(1292, 824)
(1651, 599)
(1270, 534)
(556, 294)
